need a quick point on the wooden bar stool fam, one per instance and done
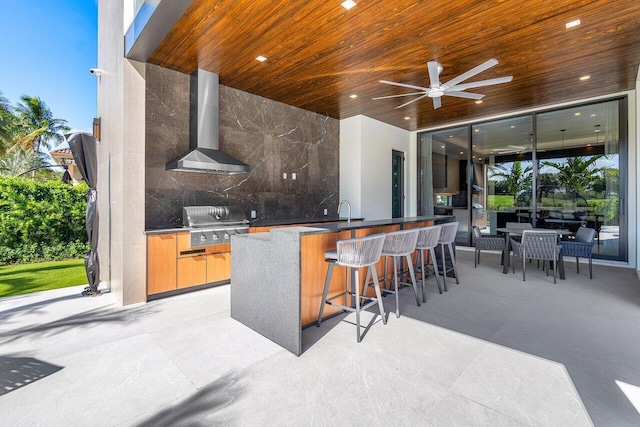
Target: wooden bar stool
(355, 254)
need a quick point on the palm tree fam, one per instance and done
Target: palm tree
(516, 179)
(20, 160)
(7, 123)
(37, 122)
(577, 174)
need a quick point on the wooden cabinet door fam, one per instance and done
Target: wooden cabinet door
(218, 267)
(161, 263)
(192, 271)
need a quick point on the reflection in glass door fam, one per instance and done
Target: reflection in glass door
(502, 173)
(564, 168)
(443, 186)
(579, 174)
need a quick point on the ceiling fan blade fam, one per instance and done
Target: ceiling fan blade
(413, 100)
(424, 89)
(437, 103)
(396, 96)
(434, 78)
(480, 83)
(468, 95)
(472, 72)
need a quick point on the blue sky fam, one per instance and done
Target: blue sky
(47, 49)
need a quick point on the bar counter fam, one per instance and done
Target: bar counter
(277, 278)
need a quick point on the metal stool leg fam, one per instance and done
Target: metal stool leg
(357, 293)
(324, 293)
(453, 262)
(372, 267)
(386, 273)
(434, 262)
(395, 282)
(444, 268)
(413, 279)
(424, 285)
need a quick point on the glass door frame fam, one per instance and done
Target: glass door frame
(623, 128)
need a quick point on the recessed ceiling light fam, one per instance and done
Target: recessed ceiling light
(354, 96)
(588, 145)
(583, 78)
(443, 146)
(593, 115)
(512, 127)
(479, 101)
(462, 152)
(577, 114)
(479, 158)
(572, 23)
(261, 58)
(407, 118)
(450, 136)
(477, 130)
(348, 4)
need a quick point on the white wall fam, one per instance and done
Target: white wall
(366, 147)
(351, 164)
(121, 160)
(634, 160)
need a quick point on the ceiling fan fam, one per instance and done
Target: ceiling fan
(450, 88)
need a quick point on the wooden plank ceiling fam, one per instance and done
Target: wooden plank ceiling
(319, 53)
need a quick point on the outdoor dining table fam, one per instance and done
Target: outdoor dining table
(517, 232)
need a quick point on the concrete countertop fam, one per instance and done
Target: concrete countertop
(293, 221)
(355, 225)
(336, 224)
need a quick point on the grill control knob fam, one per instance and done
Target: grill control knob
(215, 236)
(203, 237)
(226, 236)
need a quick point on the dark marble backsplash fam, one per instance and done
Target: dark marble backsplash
(272, 137)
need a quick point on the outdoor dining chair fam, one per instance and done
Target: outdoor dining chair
(581, 247)
(492, 242)
(538, 245)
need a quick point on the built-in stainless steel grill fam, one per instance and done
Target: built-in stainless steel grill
(211, 225)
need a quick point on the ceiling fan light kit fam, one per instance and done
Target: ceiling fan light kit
(437, 90)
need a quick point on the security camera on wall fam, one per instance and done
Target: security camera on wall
(96, 72)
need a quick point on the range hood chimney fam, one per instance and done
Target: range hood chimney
(203, 155)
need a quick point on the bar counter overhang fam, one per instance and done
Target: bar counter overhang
(277, 278)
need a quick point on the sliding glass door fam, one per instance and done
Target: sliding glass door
(579, 174)
(502, 172)
(564, 168)
(444, 181)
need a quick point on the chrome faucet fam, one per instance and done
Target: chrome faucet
(349, 206)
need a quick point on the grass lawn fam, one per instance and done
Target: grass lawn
(25, 278)
(495, 201)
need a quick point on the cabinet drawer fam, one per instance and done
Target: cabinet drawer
(192, 271)
(218, 267)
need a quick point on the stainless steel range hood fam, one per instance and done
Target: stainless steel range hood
(203, 155)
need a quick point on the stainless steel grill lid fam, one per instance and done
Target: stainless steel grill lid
(211, 225)
(212, 216)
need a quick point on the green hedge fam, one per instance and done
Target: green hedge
(41, 221)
